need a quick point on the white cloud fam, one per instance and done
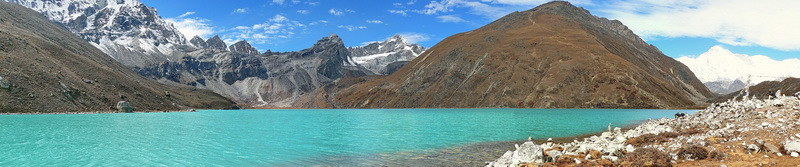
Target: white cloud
(489, 9)
(279, 2)
(770, 24)
(352, 27)
(413, 37)
(278, 18)
(401, 12)
(186, 14)
(450, 19)
(277, 27)
(191, 27)
(303, 11)
(318, 22)
(475, 7)
(375, 21)
(340, 12)
(240, 10)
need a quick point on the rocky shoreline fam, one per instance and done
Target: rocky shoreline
(748, 132)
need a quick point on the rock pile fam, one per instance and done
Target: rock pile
(741, 130)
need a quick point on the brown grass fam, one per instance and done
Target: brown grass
(647, 157)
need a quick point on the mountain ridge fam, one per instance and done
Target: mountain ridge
(553, 56)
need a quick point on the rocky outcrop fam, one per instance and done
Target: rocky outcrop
(745, 133)
(53, 71)
(553, 56)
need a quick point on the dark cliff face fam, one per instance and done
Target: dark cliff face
(45, 68)
(553, 56)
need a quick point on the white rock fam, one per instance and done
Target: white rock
(794, 154)
(612, 158)
(793, 146)
(528, 152)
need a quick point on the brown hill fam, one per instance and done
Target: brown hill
(45, 68)
(553, 56)
(788, 87)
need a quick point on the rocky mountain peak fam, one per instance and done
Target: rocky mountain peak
(199, 42)
(126, 30)
(244, 48)
(216, 43)
(331, 41)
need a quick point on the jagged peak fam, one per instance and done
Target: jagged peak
(197, 37)
(243, 47)
(216, 43)
(332, 39)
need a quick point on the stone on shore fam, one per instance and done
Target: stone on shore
(4, 84)
(124, 106)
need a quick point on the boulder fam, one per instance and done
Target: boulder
(528, 152)
(795, 154)
(4, 84)
(793, 146)
(124, 106)
(772, 148)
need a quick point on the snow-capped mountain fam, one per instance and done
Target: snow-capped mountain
(127, 30)
(377, 56)
(720, 68)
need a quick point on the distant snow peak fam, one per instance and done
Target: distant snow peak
(720, 65)
(375, 56)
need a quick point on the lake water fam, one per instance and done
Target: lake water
(366, 137)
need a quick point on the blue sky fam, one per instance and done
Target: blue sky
(677, 27)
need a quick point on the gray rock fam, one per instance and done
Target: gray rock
(772, 148)
(4, 84)
(753, 148)
(554, 154)
(124, 106)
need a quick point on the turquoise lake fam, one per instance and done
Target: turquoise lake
(284, 137)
